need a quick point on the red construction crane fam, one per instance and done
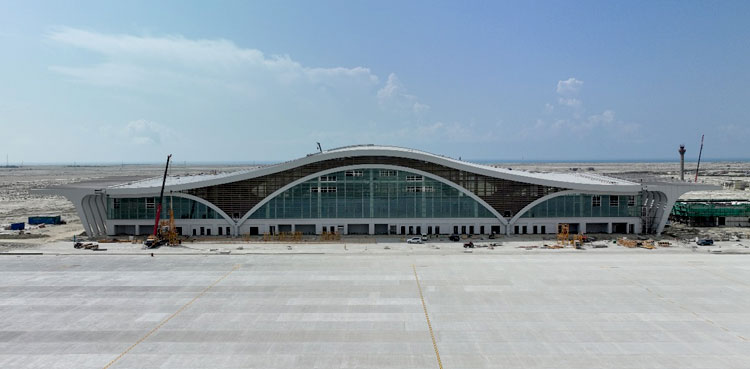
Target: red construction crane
(155, 239)
(699, 159)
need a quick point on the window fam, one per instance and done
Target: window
(596, 200)
(420, 189)
(387, 173)
(354, 173)
(322, 189)
(414, 178)
(631, 200)
(328, 178)
(116, 203)
(150, 203)
(614, 201)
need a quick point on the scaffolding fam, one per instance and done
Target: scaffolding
(709, 212)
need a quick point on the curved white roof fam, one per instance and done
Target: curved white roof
(574, 181)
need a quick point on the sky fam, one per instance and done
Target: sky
(263, 81)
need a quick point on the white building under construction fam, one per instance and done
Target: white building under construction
(377, 190)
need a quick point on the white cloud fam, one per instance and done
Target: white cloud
(145, 132)
(569, 101)
(212, 81)
(569, 87)
(606, 117)
(394, 96)
(574, 126)
(392, 89)
(135, 58)
(420, 108)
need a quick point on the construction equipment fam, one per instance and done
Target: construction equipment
(160, 237)
(168, 229)
(563, 233)
(699, 160)
(332, 236)
(578, 240)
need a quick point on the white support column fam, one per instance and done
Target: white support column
(77, 201)
(93, 230)
(93, 204)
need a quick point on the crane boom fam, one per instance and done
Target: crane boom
(699, 159)
(161, 195)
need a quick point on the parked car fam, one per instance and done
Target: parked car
(454, 237)
(705, 242)
(424, 237)
(469, 245)
(587, 238)
(414, 240)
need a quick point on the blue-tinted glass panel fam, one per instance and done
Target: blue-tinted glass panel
(145, 208)
(372, 193)
(570, 206)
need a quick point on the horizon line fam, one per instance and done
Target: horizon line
(271, 162)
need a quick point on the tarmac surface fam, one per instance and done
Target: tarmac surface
(369, 308)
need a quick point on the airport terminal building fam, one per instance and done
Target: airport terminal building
(377, 190)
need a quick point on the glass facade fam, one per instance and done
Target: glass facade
(582, 205)
(371, 193)
(505, 196)
(145, 208)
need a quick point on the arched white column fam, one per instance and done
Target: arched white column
(90, 217)
(79, 203)
(224, 215)
(539, 201)
(466, 192)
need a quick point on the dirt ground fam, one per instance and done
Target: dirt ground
(17, 203)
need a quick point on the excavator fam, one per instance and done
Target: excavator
(165, 232)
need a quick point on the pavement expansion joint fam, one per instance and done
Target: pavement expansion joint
(163, 322)
(427, 316)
